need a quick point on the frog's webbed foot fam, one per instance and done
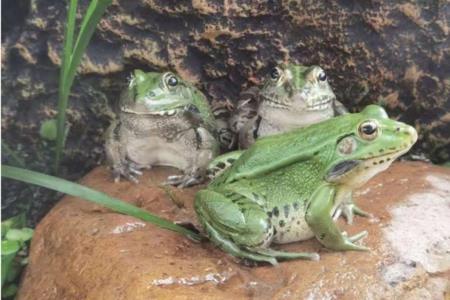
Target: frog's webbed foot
(183, 181)
(349, 210)
(348, 243)
(322, 224)
(288, 255)
(230, 247)
(130, 174)
(130, 171)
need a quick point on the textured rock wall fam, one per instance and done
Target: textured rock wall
(396, 53)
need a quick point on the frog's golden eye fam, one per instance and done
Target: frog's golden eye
(275, 73)
(322, 76)
(368, 130)
(172, 81)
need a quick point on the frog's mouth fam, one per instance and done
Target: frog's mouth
(170, 112)
(357, 172)
(162, 112)
(319, 103)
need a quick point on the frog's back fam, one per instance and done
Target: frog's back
(281, 150)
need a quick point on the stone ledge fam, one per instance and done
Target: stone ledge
(83, 251)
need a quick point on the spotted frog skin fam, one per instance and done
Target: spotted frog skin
(162, 121)
(286, 187)
(292, 96)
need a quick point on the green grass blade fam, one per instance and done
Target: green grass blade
(92, 17)
(63, 95)
(93, 14)
(89, 194)
(68, 38)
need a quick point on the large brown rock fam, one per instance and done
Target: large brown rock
(82, 251)
(395, 53)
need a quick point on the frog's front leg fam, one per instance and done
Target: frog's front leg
(207, 148)
(240, 227)
(339, 108)
(221, 163)
(116, 155)
(349, 209)
(318, 216)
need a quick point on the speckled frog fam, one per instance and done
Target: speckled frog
(163, 121)
(292, 96)
(286, 187)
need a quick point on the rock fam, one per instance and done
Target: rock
(83, 251)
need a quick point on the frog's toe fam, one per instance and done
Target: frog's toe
(348, 243)
(360, 212)
(337, 214)
(358, 236)
(126, 171)
(136, 172)
(354, 247)
(289, 255)
(132, 178)
(349, 211)
(183, 181)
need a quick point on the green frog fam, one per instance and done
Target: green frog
(286, 187)
(163, 121)
(292, 96)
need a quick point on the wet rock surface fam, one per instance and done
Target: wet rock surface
(83, 251)
(384, 51)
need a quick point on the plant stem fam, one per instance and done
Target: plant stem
(71, 61)
(63, 94)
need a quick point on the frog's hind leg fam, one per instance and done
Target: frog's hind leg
(235, 224)
(282, 255)
(230, 247)
(221, 163)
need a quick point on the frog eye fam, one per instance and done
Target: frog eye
(368, 130)
(172, 80)
(275, 74)
(322, 76)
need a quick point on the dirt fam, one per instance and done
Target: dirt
(83, 251)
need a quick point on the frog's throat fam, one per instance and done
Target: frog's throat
(364, 169)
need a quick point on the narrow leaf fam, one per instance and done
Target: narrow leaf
(92, 17)
(63, 94)
(93, 14)
(89, 194)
